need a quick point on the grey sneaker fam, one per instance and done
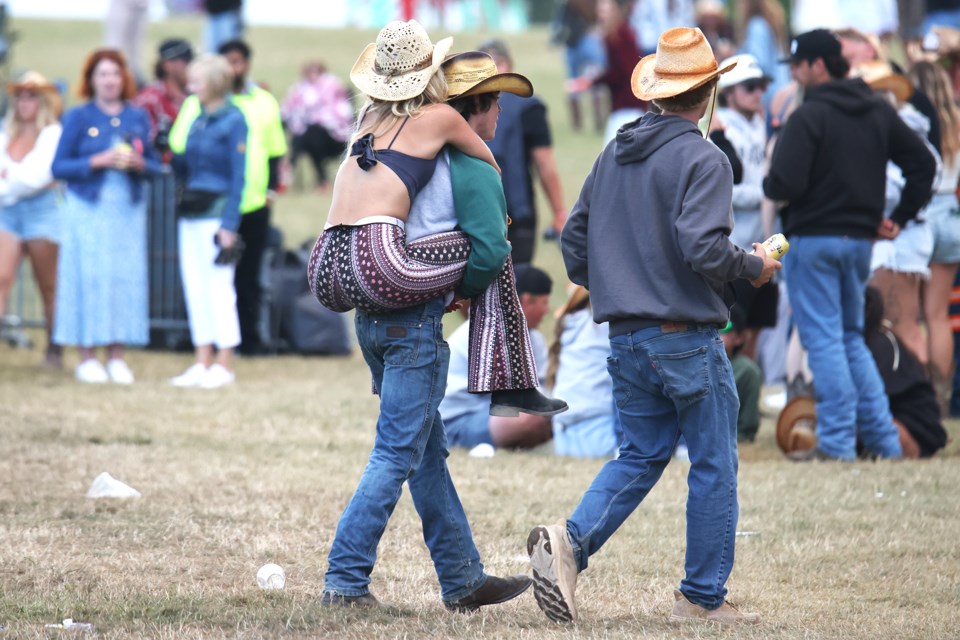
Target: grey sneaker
(554, 571)
(727, 614)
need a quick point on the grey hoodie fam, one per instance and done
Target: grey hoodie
(648, 235)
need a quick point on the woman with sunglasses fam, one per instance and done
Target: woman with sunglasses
(29, 202)
(741, 113)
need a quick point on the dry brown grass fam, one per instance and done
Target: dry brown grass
(259, 472)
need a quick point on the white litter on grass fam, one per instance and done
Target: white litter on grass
(483, 450)
(106, 486)
(903, 494)
(522, 558)
(878, 494)
(747, 534)
(68, 623)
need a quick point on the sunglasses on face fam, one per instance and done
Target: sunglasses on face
(752, 85)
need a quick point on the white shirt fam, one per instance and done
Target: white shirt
(32, 174)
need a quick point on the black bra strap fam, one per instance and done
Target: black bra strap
(402, 125)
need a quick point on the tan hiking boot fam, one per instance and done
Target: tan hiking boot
(726, 614)
(554, 571)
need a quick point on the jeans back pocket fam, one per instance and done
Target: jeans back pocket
(685, 376)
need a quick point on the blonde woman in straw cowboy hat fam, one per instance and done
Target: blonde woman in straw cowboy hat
(402, 342)
(657, 206)
(405, 87)
(29, 201)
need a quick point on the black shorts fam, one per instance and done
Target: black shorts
(759, 305)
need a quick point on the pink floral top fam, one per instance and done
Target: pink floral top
(323, 102)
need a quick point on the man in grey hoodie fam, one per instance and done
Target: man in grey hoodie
(649, 237)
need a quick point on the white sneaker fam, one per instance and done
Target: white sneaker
(192, 377)
(119, 372)
(91, 372)
(217, 376)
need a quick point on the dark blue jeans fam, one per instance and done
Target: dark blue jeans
(408, 358)
(667, 385)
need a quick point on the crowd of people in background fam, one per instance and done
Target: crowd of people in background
(73, 183)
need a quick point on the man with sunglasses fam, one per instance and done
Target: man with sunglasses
(741, 113)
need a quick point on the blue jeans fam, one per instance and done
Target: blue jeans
(408, 358)
(221, 28)
(827, 278)
(667, 385)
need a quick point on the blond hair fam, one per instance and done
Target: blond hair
(933, 80)
(215, 72)
(46, 114)
(382, 113)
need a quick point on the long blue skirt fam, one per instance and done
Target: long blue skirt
(102, 295)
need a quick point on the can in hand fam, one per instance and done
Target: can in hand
(776, 246)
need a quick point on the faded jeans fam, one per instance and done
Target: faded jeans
(667, 385)
(408, 358)
(827, 279)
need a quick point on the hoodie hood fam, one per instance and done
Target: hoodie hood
(639, 140)
(851, 95)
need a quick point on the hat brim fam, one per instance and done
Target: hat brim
(647, 84)
(509, 82)
(398, 87)
(792, 436)
(897, 84)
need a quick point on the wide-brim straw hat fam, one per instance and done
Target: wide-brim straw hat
(399, 65)
(797, 425)
(35, 81)
(683, 62)
(881, 76)
(474, 72)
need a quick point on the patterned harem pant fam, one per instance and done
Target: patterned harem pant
(371, 268)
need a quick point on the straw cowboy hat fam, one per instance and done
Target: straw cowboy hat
(683, 61)
(474, 72)
(881, 76)
(34, 81)
(400, 63)
(797, 425)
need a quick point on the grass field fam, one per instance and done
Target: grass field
(259, 472)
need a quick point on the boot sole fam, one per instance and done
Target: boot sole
(468, 608)
(507, 411)
(545, 588)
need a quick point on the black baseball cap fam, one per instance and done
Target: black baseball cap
(819, 43)
(532, 280)
(176, 49)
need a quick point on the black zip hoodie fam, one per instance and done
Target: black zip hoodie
(830, 162)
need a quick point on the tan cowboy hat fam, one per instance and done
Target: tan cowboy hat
(474, 72)
(797, 425)
(881, 76)
(400, 63)
(576, 294)
(683, 61)
(34, 81)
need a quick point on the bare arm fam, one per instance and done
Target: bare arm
(546, 168)
(461, 136)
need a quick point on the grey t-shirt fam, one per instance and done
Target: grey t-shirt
(433, 210)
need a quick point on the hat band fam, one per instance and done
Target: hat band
(422, 65)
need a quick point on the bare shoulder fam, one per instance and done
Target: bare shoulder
(440, 112)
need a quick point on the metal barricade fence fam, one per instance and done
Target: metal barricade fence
(168, 313)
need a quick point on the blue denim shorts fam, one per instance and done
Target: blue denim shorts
(943, 217)
(909, 253)
(34, 218)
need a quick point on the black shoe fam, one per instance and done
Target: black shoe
(332, 599)
(493, 591)
(510, 403)
(813, 455)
